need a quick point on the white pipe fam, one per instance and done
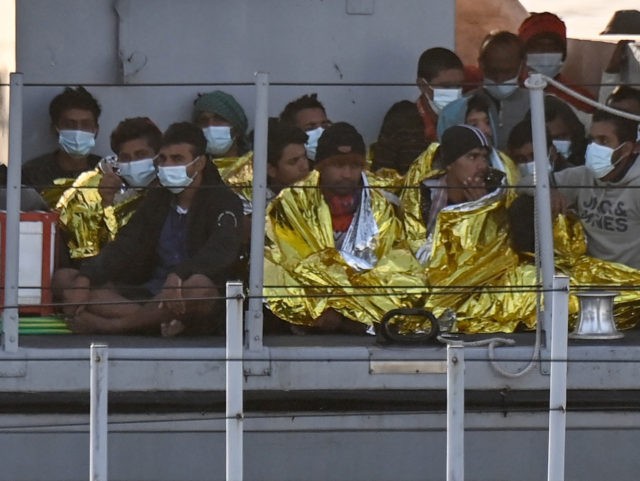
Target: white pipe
(234, 383)
(591, 102)
(558, 379)
(10, 318)
(544, 225)
(455, 412)
(259, 202)
(98, 412)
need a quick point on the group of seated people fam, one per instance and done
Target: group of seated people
(438, 213)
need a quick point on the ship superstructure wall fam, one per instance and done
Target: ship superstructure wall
(152, 57)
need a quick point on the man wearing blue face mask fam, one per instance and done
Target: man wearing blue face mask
(166, 269)
(102, 200)
(74, 120)
(501, 61)
(603, 192)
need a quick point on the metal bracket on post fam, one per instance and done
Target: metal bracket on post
(10, 319)
(98, 416)
(544, 222)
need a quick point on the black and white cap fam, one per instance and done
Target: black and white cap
(460, 139)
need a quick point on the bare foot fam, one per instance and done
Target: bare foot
(171, 328)
(83, 322)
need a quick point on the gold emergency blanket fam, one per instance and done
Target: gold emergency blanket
(304, 274)
(52, 194)
(470, 266)
(237, 173)
(473, 270)
(86, 224)
(422, 168)
(589, 273)
(387, 179)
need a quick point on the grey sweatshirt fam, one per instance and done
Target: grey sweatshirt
(609, 211)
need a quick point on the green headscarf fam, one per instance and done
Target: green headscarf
(224, 105)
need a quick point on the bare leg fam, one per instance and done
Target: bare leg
(74, 291)
(106, 311)
(199, 294)
(124, 316)
(69, 288)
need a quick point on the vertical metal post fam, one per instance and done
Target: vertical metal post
(544, 226)
(98, 412)
(234, 394)
(12, 235)
(558, 379)
(259, 201)
(455, 412)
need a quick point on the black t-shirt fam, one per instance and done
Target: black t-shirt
(42, 171)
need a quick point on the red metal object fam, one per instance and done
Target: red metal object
(43, 304)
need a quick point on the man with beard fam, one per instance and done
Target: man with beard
(331, 239)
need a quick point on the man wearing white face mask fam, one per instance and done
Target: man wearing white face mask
(307, 113)
(223, 122)
(440, 77)
(501, 62)
(409, 127)
(224, 125)
(520, 150)
(545, 38)
(564, 128)
(521, 211)
(74, 120)
(166, 268)
(603, 192)
(102, 200)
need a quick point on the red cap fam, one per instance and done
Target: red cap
(542, 23)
